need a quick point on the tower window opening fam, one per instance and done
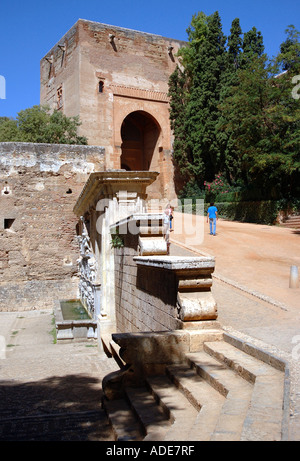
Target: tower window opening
(8, 222)
(101, 86)
(5, 190)
(59, 98)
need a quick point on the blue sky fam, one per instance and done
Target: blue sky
(29, 29)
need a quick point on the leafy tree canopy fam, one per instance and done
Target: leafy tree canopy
(37, 125)
(232, 109)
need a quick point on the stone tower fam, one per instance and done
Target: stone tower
(116, 81)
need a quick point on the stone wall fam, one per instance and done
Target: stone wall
(155, 291)
(39, 185)
(145, 297)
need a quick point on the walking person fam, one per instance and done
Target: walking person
(212, 216)
(170, 215)
(166, 229)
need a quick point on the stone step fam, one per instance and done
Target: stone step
(221, 393)
(292, 221)
(205, 399)
(291, 224)
(151, 416)
(123, 422)
(264, 418)
(180, 411)
(236, 390)
(293, 218)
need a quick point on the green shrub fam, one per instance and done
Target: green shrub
(259, 212)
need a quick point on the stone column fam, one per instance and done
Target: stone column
(114, 194)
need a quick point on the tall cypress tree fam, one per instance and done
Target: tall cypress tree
(241, 53)
(262, 118)
(229, 116)
(235, 44)
(230, 164)
(177, 87)
(208, 44)
(253, 46)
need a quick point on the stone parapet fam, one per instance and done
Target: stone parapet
(193, 282)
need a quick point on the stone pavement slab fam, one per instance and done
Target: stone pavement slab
(50, 391)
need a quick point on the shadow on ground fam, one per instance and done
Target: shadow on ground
(54, 409)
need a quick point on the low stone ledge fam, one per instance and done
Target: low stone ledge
(195, 301)
(152, 347)
(177, 263)
(142, 220)
(162, 347)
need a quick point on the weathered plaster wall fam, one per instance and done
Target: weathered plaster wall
(39, 185)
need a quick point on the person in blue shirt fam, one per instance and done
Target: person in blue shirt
(212, 215)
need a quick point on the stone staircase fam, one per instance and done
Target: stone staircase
(227, 391)
(292, 222)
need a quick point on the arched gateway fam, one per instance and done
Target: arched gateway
(140, 134)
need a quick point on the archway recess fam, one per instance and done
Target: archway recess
(140, 135)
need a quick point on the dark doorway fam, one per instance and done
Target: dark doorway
(140, 135)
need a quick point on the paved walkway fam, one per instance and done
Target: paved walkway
(56, 388)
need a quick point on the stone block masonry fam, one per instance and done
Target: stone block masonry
(39, 185)
(157, 292)
(116, 81)
(144, 300)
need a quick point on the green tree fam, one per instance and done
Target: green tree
(262, 119)
(177, 95)
(63, 130)
(37, 125)
(289, 56)
(203, 61)
(31, 124)
(235, 112)
(235, 44)
(252, 46)
(229, 164)
(202, 148)
(8, 129)
(241, 53)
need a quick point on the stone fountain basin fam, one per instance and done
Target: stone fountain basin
(73, 329)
